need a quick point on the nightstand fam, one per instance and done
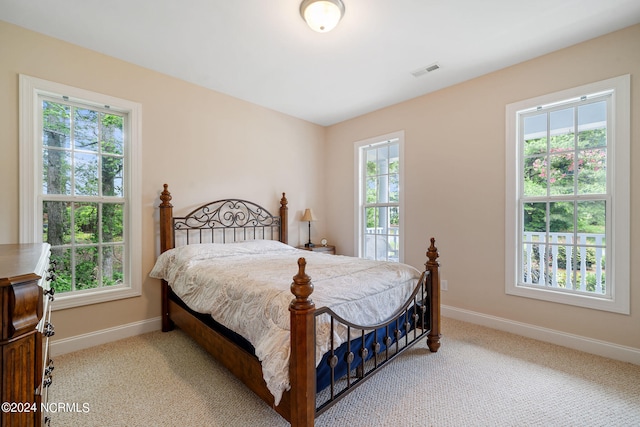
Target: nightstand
(328, 249)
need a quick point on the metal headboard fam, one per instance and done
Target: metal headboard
(225, 221)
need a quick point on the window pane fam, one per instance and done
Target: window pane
(112, 214)
(394, 165)
(372, 164)
(375, 247)
(86, 262)
(56, 125)
(394, 156)
(532, 267)
(61, 257)
(86, 222)
(371, 190)
(535, 217)
(394, 188)
(56, 169)
(56, 223)
(592, 217)
(393, 249)
(562, 130)
(592, 171)
(112, 176)
(394, 219)
(371, 219)
(535, 176)
(592, 125)
(383, 220)
(383, 159)
(112, 134)
(535, 134)
(590, 271)
(85, 129)
(112, 272)
(383, 189)
(561, 217)
(561, 171)
(86, 174)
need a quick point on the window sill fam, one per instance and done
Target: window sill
(621, 305)
(92, 296)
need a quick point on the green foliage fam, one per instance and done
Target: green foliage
(56, 118)
(86, 268)
(557, 171)
(535, 217)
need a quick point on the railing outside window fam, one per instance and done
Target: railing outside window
(382, 243)
(578, 265)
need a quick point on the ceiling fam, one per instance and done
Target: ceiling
(262, 51)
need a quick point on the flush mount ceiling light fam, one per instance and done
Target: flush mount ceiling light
(322, 15)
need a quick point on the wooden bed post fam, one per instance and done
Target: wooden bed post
(284, 220)
(302, 367)
(166, 243)
(166, 218)
(433, 340)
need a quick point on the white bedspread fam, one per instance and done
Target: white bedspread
(246, 287)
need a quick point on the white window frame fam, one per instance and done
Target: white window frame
(359, 191)
(618, 189)
(30, 140)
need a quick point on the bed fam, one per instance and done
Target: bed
(231, 282)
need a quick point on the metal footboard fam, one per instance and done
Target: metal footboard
(368, 348)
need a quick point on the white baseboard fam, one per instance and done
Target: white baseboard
(576, 342)
(79, 342)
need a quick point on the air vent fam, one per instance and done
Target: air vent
(424, 70)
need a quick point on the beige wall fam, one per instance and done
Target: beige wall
(205, 145)
(455, 181)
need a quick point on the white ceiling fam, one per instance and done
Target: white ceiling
(263, 52)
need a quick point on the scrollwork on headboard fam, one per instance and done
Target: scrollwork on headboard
(224, 221)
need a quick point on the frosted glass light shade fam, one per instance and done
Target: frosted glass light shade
(322, 15)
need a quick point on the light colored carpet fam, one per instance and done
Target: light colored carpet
(480, 377)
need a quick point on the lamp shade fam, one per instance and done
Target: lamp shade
(308, 216)
(322, 15)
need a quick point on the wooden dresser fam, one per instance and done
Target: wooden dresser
(25, 365)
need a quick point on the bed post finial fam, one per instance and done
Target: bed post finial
(432, 253)
(302, 368)
(301, 287)
(284, 220)
(165, 196)
(433, 266)
(166, 220)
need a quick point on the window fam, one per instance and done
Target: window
(567, 201)
(379, 211)
(79, 186)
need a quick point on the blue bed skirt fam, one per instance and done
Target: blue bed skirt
(323, 372)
